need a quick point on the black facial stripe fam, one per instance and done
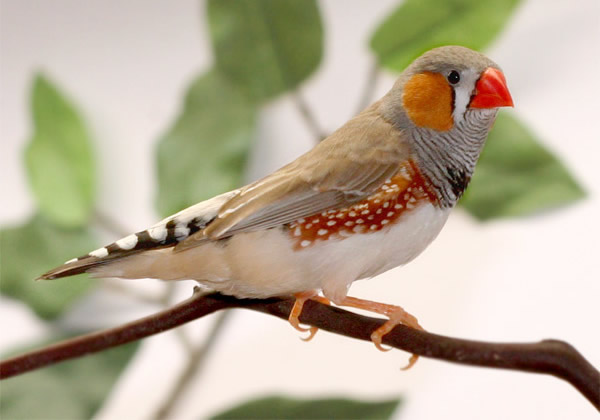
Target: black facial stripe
(474, 93)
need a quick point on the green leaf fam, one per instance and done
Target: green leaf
(59, 158)
(266, 46)
(205, 152)
(419, 25)
(516, 176)
(29, 250)
(277, 407)
(71, 390)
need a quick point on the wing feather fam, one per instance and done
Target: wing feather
(346, 167)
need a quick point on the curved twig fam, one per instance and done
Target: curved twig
(550, 357)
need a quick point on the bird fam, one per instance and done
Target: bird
(369, 197)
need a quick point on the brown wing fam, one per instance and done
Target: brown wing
(344, 168)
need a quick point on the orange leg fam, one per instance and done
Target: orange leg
(396, 316)
(296, 311)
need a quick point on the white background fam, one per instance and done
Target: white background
(127, 65)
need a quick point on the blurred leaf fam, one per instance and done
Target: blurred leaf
(266, 46)
(419, 25)
(290, 408)
(71, 390)
(205, 152)
(59, 158)
(29, 250)
(517, 176)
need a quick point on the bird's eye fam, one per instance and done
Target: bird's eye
(453, 77)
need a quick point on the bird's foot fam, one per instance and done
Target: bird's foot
(396, 316)
(296, 311)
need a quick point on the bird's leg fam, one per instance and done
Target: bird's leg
(296, 311)
(396, 316)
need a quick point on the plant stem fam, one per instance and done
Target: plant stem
(109, 224)
(307, 116)
(367, 95)
(196, 360)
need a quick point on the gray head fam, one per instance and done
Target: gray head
(446, 102)
(442, 85)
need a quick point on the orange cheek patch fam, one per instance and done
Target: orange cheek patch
(398, 195)
(427, 98)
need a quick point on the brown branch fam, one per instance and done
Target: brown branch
(550, 357)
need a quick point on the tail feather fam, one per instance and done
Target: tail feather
(167, 233)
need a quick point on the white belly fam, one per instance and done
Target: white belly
(265, 263)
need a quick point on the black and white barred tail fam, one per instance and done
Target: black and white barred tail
(167, 233)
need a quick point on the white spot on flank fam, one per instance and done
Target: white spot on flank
(308, 226)
(315, 221)
(72, 260)
(158, 233)
(385, 187)
(304, 244)
(297, 231)
(364, 212)
(410, 206)
(99, 253)
(387, 181)
(398, 206)
(128, 242)
(358, 229)
(373, 227)
(378, 211)
(359, 221)
(386, 204)
(331, 223)
(340, 215)
(322, 232)
(371, 217)
(331, 217)
(390, 214)
(300, 221)
(349, 223)
(385, 221)
(352, 214)
(406, 197)
(377, 201)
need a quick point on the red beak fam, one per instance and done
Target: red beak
(491, 90)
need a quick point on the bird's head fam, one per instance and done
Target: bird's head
(440, 88)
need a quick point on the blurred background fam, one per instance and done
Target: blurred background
(114, 114)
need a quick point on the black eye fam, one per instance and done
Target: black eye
(453, 77)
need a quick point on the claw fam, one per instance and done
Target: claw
(411, 361)
(396, 315)
(296, 311)
(312, 331)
